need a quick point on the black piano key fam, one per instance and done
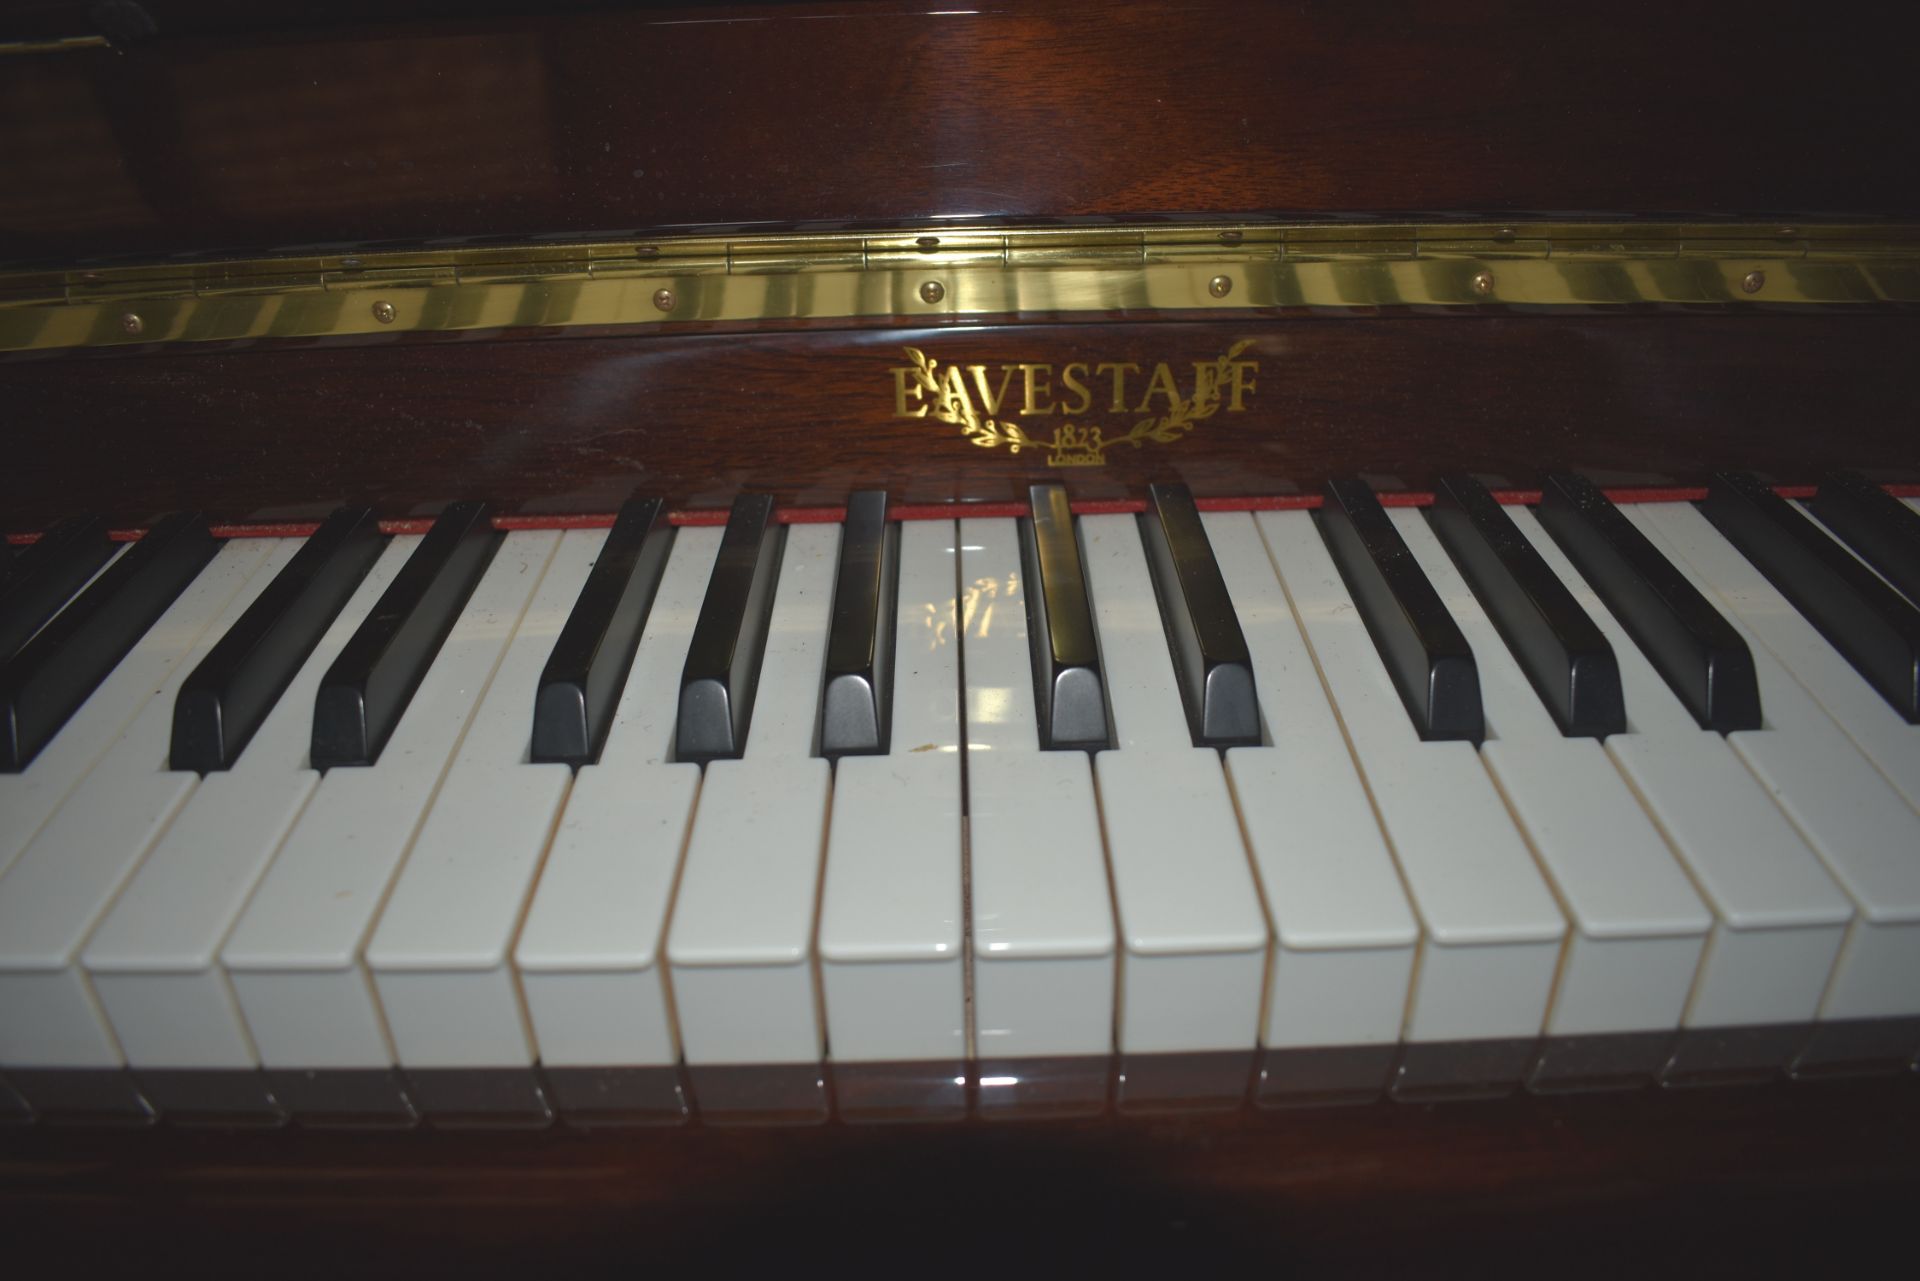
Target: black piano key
(223, 701)
(1069, 693)
(1562, 651)
(1430, 661)
(581, 683)
(1210, 656)
(854, 703)
(52, 674)
(47, 574)
(1695, 650)
(723, 658)
(364, 693)
(1881, 528)
(1867, 621)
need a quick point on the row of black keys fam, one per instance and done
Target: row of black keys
(55, 657)
(1563, 652)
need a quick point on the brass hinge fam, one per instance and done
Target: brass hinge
(53, 44)
(935, 273)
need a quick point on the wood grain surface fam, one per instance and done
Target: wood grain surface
(1725, 1180)
(874, 111)
(564, 425)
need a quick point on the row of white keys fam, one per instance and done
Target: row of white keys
(439, 954)
(891, 936)
(590, 950)
(1194, 934)
(28, 799)
(296, 956)
(1042, 913)
(1492, 934)
(1344, 935)
(154, 958)
(1862, 828)
(1778, 916)
(740, 944)
(1638, 926)
(69, 874)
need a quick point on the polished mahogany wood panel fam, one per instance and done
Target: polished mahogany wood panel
(881, 112)
(568, 425)
(1549, 1186)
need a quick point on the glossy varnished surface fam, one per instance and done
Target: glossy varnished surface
(878, 111)
(1545, 1186)
(578, 424)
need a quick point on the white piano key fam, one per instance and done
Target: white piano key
(590, 948)
(1043, 930)
(1141, 687)
(1638, 926)
(68, 876)
(891, 930)
(1196, 940)
(1779, 917)
(890, 917)
(1042, 913)
(1879, 732)
(1190, 916)
(154, 958)
(296, 955)
(439, 953)
(786, 707)
(993, 619)
(589, 952)
(1864, 831)
(642, 731)
(1872, 843)
(28, 799)
(926, 692)
(1492, 933)
(1344, 933)
(740, 944)
(741, 940)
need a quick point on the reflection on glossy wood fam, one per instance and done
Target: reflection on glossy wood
(576, 425)
(1554, 1181)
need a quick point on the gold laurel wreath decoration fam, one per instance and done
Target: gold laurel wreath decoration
(1068, 439)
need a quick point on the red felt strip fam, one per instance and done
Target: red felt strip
(955, 511)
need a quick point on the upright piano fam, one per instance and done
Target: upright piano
(1192, 629)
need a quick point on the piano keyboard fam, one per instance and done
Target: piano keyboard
(919, 818)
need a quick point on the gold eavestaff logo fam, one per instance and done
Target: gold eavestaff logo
(974, 399)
